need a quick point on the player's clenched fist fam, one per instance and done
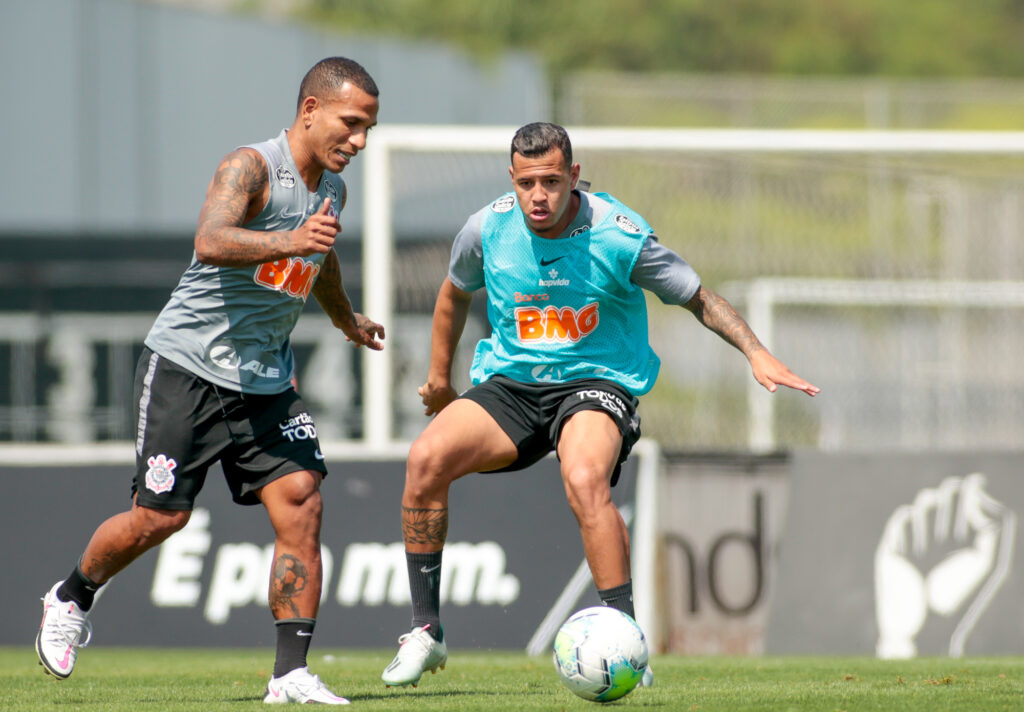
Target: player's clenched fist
(316, 235)
(436, 397)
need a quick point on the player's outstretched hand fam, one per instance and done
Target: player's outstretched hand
(364, 332)
(772, 373)
(317, 234)
(435, 397)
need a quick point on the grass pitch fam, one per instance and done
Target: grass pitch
(167, 680)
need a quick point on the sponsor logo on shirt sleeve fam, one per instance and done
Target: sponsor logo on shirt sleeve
(627, 225)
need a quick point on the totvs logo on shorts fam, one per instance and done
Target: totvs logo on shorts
(293, 276)
(555, 325)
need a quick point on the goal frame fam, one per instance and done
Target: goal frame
(378, 204)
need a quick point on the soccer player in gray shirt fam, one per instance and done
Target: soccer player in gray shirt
(214, 382)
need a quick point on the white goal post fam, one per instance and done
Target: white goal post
(378, 202)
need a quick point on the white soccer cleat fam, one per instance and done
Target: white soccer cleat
(65, 627)
(648, 679)
(302, 686)
(418, 653)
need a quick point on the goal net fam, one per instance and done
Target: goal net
(886, 267)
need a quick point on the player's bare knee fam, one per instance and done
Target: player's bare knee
(152, 526)
(306, 510)
(310, 507)
(425, 470)
(587, 490)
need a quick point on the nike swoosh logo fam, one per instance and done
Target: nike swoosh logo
(318, 455)
(304, 634)
(426, 570)
(545, 263)
(63, 664)
(288, 215)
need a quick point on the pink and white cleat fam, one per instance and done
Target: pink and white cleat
(65, 627)
(418, 652)
(300, 685)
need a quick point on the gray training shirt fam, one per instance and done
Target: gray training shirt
(232, 325)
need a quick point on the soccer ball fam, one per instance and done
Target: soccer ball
(600, 654)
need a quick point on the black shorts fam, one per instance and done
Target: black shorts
(184, 424)
(532, 414)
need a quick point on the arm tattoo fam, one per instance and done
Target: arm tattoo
(240, 179)
(717, 314)
(288, 581)
(424, 526)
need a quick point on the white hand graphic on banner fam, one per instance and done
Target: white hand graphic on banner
(970, 534)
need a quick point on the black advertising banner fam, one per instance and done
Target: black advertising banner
(513, 548)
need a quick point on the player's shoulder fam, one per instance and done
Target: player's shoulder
(495, 215)
(270, 154)
(245, 157)
(610, 212)
(244, 168)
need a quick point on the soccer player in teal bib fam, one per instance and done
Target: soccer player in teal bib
(566, 360)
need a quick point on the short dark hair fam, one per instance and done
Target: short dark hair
(329, 74)
(538, 138)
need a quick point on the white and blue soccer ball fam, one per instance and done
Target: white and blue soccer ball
(600, 654)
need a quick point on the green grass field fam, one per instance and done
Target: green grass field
(128, 680)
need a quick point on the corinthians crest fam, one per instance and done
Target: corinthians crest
(160, 475)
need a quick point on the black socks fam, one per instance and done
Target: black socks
(619, 597)
(78, 588)
(293, 637)
(425, 587)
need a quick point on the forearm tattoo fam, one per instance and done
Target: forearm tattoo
(424, 526)
(719, 316)
(287, 583)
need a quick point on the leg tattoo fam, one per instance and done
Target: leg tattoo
(287, 583)
(425, 526)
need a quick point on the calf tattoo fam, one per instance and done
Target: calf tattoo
(288, 582)
(424, 526)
